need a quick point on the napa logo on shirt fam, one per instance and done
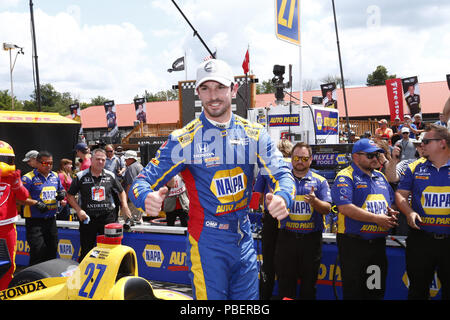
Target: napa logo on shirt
(229, 185)
(301, 210)
(375, 203)
(436, 200)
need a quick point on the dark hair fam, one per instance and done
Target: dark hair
(441, 132)
(43, 154)
(302, 145)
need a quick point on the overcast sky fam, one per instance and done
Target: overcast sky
(119, 49)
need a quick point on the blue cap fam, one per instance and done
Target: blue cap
(366, 145)
(81, 146)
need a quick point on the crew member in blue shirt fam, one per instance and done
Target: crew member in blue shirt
(299, 244)
(363, 197)
(45, 190)
(427, 181)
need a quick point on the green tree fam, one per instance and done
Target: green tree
(265, 87)
(51, 100)
(379, 77)
(5, 101)
(167, 95)
(98, 101)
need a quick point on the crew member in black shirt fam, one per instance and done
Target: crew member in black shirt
(96, 209)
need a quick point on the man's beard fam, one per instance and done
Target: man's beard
(217, 112)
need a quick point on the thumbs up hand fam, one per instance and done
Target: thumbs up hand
(154, 200)
(311, 197)
(276, 206)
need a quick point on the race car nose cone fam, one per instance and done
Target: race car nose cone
(114, 230)
(113, 234)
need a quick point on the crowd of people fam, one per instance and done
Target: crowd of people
(90, 191)
(402, 171)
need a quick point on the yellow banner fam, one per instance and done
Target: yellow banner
(34, 117)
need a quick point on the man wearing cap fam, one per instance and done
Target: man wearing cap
(427, 183)
(383, 132)
(420, 126)
(406, 146)
(363, 198)
(133, 168)
(216, 155)
(407, 122)
(83, 152)
(396, 135)
(30, 158)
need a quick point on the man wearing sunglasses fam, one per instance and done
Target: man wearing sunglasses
(427, 181)
(45, 190)
(363, 197)
(299, 244)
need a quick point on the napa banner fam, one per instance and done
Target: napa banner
(327, 122)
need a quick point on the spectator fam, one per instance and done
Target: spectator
(95, 187)
(299, 244)
(352, 137)
(45, 190)
(446, 113)
(396, 134)
(441, 121)
(30, 158)
(114, 165)
(113, 162)
(407, 148)
(119, 153)
(383, 132)
(132, 170)
(65, 176)
(363, 198)
(83, 152)
(426, 181)
(420, 126)
(411, 126)
(176, 203)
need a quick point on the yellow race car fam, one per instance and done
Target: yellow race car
(108, 272)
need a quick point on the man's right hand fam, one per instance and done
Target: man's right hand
(82, 215)
(154, 201)
(42, 207)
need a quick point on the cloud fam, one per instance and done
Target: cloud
(88, 60)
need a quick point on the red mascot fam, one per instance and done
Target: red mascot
(11, 188)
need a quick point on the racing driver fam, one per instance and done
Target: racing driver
(216, 155)
(11, 188)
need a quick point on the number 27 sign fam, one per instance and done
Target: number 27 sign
(288, 20)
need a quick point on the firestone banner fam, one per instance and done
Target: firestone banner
(395, 98)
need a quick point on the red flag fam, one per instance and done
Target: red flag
(245, 64)
(395, 98)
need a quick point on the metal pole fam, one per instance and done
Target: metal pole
(11, 77)
(340, 66)
(195, 31)
(35, 57)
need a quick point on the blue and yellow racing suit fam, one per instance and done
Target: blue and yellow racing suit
(217, 166)
(42, 189)
(430, 194)
(372, 193)
(303, 218)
